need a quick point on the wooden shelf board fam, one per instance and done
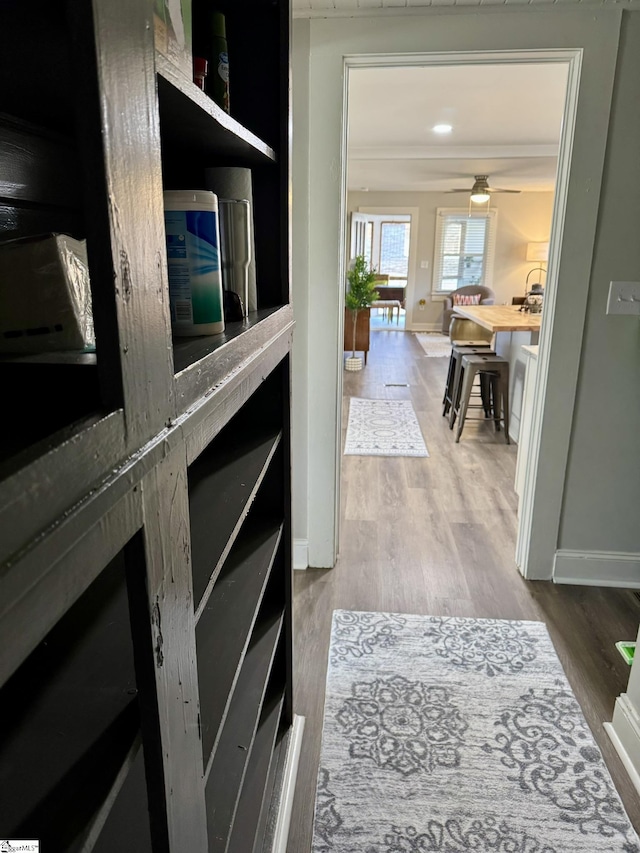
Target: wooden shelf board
(195, 353)
(256, 790)
(191, 119)
(226, 622)
(222, 485)
(235, 748)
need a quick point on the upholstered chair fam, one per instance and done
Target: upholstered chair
(487, 297)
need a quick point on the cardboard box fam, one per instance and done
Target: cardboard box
(45, 296)
(172, 24)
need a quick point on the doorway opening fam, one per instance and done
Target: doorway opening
(529, 170)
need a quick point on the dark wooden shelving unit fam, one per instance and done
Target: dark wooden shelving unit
(145, 518)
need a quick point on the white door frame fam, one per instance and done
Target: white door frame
(573, 59)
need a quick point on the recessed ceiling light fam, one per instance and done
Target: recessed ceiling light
(442, 128)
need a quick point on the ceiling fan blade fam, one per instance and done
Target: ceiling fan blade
(495, 190)
(458, 191)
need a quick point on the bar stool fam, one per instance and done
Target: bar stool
(462, 333)
(496, 369)
(451, 389)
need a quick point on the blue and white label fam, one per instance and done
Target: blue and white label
(193, 258)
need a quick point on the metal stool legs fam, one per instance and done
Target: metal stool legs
(494, 374)
(451, 389)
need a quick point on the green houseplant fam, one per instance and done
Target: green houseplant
(361, 294)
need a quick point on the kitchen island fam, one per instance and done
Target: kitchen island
(512, 330)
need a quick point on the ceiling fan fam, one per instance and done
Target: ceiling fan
(480, 192)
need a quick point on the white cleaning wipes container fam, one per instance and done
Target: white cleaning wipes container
(193, 259)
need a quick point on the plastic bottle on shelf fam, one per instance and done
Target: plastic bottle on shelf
(193, 260)
(218, 80)
(210, 41)
(200, 68)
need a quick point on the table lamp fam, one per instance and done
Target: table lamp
(537, 252)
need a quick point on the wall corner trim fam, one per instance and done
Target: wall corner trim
(300, 554)
(597, 568)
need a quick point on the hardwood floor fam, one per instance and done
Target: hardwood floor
(437, 536)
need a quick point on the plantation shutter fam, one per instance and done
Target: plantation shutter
(464, 249)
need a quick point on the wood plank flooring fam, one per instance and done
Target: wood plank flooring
(437, 536)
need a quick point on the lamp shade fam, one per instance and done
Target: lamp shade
(538, 251)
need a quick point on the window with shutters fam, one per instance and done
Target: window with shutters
(464, 249)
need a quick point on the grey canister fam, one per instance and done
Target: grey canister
(235, 247)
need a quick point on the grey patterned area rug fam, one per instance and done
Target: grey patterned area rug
(383, 428)
(434, 344)
(449, 735)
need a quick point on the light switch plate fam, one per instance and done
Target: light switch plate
(424, 265)
(624, 297)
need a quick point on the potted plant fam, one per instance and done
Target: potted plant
(361, 294)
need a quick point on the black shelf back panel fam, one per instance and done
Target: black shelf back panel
(224, 631)
(223, 478)
(39, 181)
(36, 92)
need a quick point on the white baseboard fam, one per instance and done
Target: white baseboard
(426, 327)
(300, 554)
(597, 568)
(624, 732)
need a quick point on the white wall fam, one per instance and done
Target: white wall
(522, 219)
(594, 29)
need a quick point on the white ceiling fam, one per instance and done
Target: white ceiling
(506, 123)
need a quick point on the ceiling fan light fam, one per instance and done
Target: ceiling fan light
(480, 197)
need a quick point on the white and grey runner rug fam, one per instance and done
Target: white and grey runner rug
(383, 428)
(453, 735)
